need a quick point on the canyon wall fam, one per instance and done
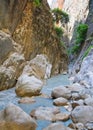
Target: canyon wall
(31, 26)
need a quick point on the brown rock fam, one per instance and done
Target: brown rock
(60, 101)
(10, 70)
(14, 118)
(61, 117)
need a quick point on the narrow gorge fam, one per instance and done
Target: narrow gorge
(46, 62)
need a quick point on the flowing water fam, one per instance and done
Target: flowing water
(9, 96)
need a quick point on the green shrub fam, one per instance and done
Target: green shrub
(75, 48)
(59, 31)
(37, 2)
(81, 32)
(60, 16)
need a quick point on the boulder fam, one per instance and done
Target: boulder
(60, 101)
(28, 86)
(57, 126)
(39, 66)
(14, 118)
(61, 117)
(32, 79)
(82, 114)
(45, 113)
(61, 92)
(10, 70)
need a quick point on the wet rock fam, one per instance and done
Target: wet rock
(10, 70)
(57, 126)
(28, 86)
(61, 92)
(14, 118)
(82, 114)
(45, 113)
(60, 101)
(27, 100)
(89, 101)
(6, 46)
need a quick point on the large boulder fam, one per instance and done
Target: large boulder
(61, 91)
(39, 67)
(10, 70)
(82, 114)
(6, 46)
(31, 80)
(14, 118)
(28, 86)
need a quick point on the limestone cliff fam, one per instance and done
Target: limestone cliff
(78, 11)
(32, 26)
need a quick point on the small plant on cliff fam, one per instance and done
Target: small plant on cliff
(60, 16)
(81, 32)
(37, 2)
(59, 31)
(87, 51)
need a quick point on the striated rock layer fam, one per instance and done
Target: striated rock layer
(33, 28)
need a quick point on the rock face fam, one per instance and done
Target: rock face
(10, 70)
(34, 31)
(78, 12)
(9, 120)
(6, 46)
(85, 75)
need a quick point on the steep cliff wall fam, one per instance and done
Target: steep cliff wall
(78, 11)
(32, 26)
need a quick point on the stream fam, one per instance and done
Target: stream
(9, 96)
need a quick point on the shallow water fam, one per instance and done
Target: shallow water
(9, 96)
